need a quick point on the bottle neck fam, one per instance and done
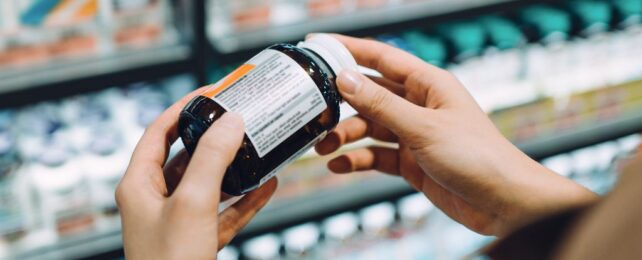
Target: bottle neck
(323, 63)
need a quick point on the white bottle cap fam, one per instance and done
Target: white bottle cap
(414, 207)
(341, 226)
(301, 238)
(263, 247)
(377, 217)
(332, 51)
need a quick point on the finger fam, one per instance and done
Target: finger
(382, 106)
(395, 64)
(153, 147)
(234, 218)
(382, 159)
(174, 171)
(418, 77)
(351, 130)
(394, 87)
(215, 151)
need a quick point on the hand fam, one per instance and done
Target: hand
(171, 211)
(447, 146)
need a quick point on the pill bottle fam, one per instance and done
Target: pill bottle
(264, 247)
(302, 242)
(13, 225)
(288, 98)
(62, 198)
(340, 233)
(103, 163)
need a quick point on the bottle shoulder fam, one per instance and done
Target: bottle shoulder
(306, 58)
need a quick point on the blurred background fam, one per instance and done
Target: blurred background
(81, 79)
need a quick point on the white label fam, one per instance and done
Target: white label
(292, 158)
(275, 96)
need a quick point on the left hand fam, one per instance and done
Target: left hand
(171, 210)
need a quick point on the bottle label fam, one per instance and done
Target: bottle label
(292, 158)
(274, 95)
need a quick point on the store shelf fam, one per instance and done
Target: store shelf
(91, 244)
(310, 205)
(14, 79)
(78, 247)
(620, 119)
(239, 40)
(378, 187)
(595, 133)
(381, 187)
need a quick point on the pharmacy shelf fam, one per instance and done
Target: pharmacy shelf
(372, 189)
(76, 247)
(15, 79)
(241, 40)
(590, 128)
(321, 202)
(543, 147)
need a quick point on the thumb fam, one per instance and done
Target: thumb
(379, 104)
(215, 151)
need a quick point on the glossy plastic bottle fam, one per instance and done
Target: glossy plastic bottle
(288, 98)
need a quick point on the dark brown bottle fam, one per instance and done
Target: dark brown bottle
(288, 98)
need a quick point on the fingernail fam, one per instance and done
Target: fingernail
(310, 35)
(230, 120)
(349, 81)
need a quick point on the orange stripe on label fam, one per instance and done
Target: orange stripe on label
(229, 80)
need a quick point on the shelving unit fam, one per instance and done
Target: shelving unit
(228, 42)
(71, 69)
(116, 47)
(77, 247)
(375, 188)
(589, 131)
(372, 189)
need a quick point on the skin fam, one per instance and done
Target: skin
(447, 146)
(170, 210)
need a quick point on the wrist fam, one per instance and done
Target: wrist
(539, 192)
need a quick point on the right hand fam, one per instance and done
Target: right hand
(448, 147)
